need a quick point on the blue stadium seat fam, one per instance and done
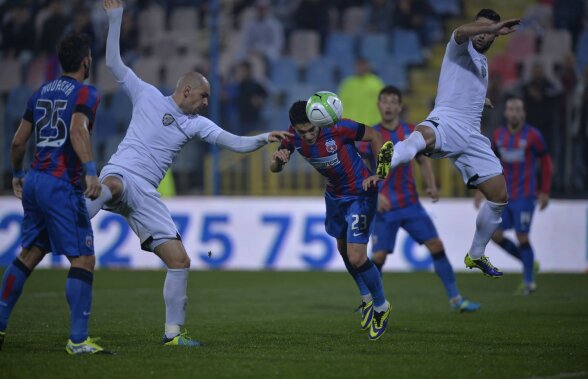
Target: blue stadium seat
(340, 47)
(284, 73)
(582, 51)
(406, 46)
(392, 71)
(373, 47)
(321, 72)
(122, 108)
(445, 7)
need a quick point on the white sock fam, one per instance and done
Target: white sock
(366, 298)
(95, 205)
(488, 220)
(405, 151)
(174, 295)
(382, 307)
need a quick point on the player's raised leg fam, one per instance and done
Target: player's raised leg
(112, 189)
(487, 222)
(173, 254)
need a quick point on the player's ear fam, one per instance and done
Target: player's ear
(187, 90)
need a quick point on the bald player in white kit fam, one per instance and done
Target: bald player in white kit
(452, 129)
(159, 127)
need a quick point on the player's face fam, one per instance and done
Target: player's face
(87, 63)
(389, 106)
(197, 98)
(482, 42)
(308, 132)
(514, 113)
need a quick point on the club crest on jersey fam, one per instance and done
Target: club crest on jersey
(167, 119)
(89, 241)
(331, 145)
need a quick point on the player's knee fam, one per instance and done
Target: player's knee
(498, 236)
(179, 261)
(379, 258)
(115, 185)
(86, 262)
(434, 245)
(31, 257)
(523, 238)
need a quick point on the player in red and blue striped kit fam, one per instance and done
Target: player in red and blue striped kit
(350, 208)
(399, 205)
(60, 114)
(519, 147)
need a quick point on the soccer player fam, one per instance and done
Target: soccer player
(399, 205)
(519, 146)
(452, 129)
(159, 128)
(61, 115)
(350, 209)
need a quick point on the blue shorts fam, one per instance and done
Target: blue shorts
(414, 219)
(350, 217)
(55, 216)
(518, 214)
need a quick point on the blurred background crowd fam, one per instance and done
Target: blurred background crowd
(273, 52)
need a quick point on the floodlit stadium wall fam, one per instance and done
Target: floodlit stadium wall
(288, 234)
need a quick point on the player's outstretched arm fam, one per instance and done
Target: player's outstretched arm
(18, 148)
(428, 177)
(462, 33)
(114, 10)
(279, 160)
(247, 144)
(80, 140)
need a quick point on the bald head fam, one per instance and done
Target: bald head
(192, 93)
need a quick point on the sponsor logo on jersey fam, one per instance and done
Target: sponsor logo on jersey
(331, 145)
(324, 162)
(167, 119)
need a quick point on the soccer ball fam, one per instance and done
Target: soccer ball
(324, 109)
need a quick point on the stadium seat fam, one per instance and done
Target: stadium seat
(148, 68)
(353, 20)
(521, 45)
(321, 72)
(35, 75)
(151, 23)
(184, 18)
(10, 75)
(122, 109)
(505, 66)
(556, 44)
(341, 47)
(179, 65)
(373, 47)
(406, 46)
(445, 7)
(283, 73)
(304, 46)
(392, 71)
(582, 51)
(104, 79)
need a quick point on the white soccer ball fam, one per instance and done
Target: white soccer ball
(324, 109)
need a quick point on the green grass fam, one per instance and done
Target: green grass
(301, 325)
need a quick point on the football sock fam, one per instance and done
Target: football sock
(511, 248)
(12, 283)
(363, 289)
(528, 258)
(382, 308)
(405, 151)
(95, 205)
(78, 291)
(371, 277)
(488, 220)
(176, 299)
(444, 271)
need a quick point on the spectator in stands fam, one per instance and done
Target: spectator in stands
(18, 33)
(359, 94)
(569, 14)
(51, 31)
(379, 16)
(251, 98)
(129, 38)
(411, 14)
(263, 34)
(313, 15)
(82, 23)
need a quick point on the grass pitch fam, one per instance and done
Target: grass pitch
(302, 325)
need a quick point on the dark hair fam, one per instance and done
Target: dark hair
(490, 14)
(514, 97)
(71, 50)
(391, 90)
(297, 113)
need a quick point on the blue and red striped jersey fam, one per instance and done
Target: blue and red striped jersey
(50, 110)
(399, 187)
(335, 156)
(518, 152)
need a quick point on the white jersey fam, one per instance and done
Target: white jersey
(157, 132)
(463, 84)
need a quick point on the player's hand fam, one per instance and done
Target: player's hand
(488, 104)
(543, 200)
(433, 193)
(507, 26)
(281, 156)
(279, 136)
(17, 184)
(112, 4)
(478, 197)
(369, 182)
(383, 203)
(93, 187)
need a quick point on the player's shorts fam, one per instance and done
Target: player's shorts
(468, 149)
(55, 216)
(141, 206)
(414, 219)
(518, 214)
(350, 217)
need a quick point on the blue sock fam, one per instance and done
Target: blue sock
(373, 280)
(363, 289)
(78, 290)
(528, 258)
(444, 271)
(12, 283)
(511, 248)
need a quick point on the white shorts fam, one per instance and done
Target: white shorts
(141, 206)
(468, 149)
